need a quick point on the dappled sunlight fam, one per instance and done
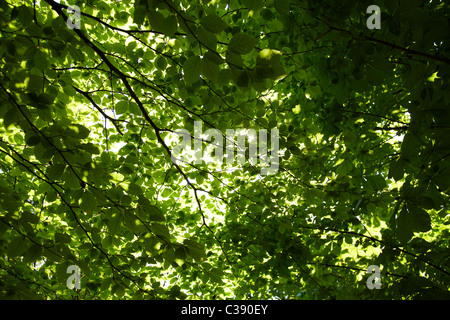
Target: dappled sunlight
(224, 150)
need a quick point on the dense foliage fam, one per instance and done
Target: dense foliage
(89, 120)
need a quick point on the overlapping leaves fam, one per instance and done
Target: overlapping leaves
(85, 150)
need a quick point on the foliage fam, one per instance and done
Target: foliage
(87, 131)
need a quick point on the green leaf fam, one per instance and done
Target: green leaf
(405, 226)
(33, 253)
(160, 230)
(118, 291)
(115, 225)
(161, 63)
(88, 202)
(268, 65)
(314, 91)
(45, 98)
(214, 57)
(139, 13)
(33, 140)
(71, 180)
(234, 60)
(25, 15)
(374, 77)
(77, 131)
(420, 219)
(213, 23)
(210, 70)
(90, 147)
(132, 222)
(180, 253)
(426, 202)
(40, 60)
(254, 4)
(122, 107)
(126, 200)
(242, 43)
(409, 147)
(216, 275)
(267, 14)
(268, 56)
(150, 242)
(43, 152)
(195, 249)
(126, 169)
(30, 217)
(11, 117)
(34, 82)
(107, 242)
(377, 181)
(16, 247)
(56, 171)
(224, 77)
(207, 39)
(414, 284)
(170, 26)
(8, 202)
(75, 53)
(156, 19)
(396, 170)
(84, 266)
(243, 79)
(192, 69)
(62, 238)
(134, 189)
(155, 214)
(282, 6)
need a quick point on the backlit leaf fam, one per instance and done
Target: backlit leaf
(242, 43)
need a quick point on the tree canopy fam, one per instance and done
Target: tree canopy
(94, 93)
